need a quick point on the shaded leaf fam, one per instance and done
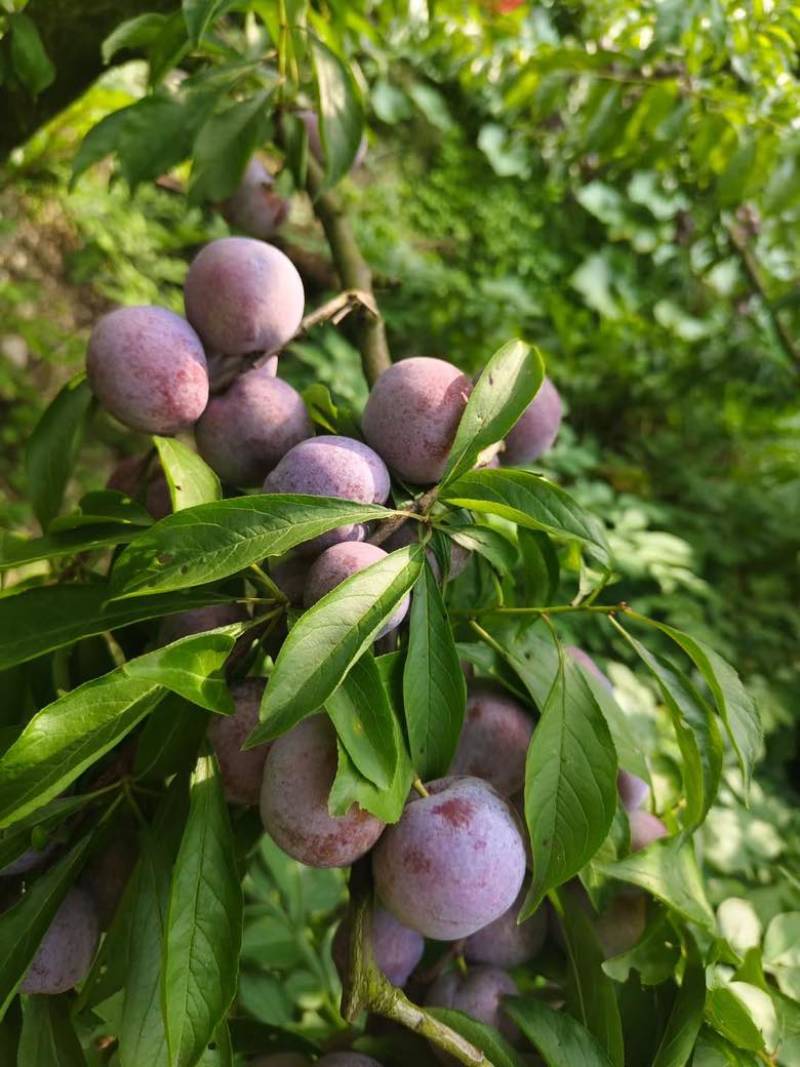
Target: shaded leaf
(199, 14)
(495, 1047)
(29, 59)
(224, 145)
(132, 34)
(341, 113)
(559, 1039)
(365, 722)
(17, 551)
(686, 1017)
(48, 1038)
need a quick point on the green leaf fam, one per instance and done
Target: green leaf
(341, 112)
(560, 1040)
(73, 732)
(434, 690)
(48, 1037)
(31, 62)
(696, 730)
(782, 952)
(686, 1017)
(51, 452)
(570, 783)
(132, 34)
(224, 145)
(668, 869)
(742, 1013)
(199, 14)
(24, 925)
(170, 740)
(654, 956)
(590, 992)
(507, 385)
(142, 1036)
(204, 923)
(41, 620)
(191, 481)
(365, 721)
(734, 704)
(17, 840)
(351, 787)
(327, 640)
(491, 544)
(714, 1051)
(494, 1046)
(18, 551)
(529, 500)
(212, 541)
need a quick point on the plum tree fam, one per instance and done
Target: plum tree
(146, 365)
(244, 432)
(65, 954)
(341, 561)
(479, 993)
(536, 429)
(255, 208)
(347, 1059)
(241, 770)
(310, 120)
(131, 475)
(332, 466)
(243, 295)
(454, 862)
(494, 739)
(507, 943)
(396, 949)
(645, 829)
(412, 415)
(298, 774)
(197, 621)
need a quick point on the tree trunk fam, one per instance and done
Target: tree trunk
(72, 32)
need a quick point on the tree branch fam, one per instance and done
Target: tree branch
(367, 989)
(752, 270)
(354, 273)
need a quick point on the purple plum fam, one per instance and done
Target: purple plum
(242, 771)
(255, 208)
(583, 659)
(347, 1059)
(243, 295)
(494, 739)
(298, 775)
(454, 862)
(65, 954)
(106, 876)
(281, 1059)
(311, 122)
(244, 433)
(536, 429)
(146, 365)
(334, 467)
(507, 943)
(290, 574)
(396, 949)
(342, 561)
(645, 829)
(412, 415)
(479, 994)
(197, 621)
(622, 922)
(633, 791)
(131, 475)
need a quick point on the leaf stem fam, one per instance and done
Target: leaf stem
(554, 609)
(265, 580)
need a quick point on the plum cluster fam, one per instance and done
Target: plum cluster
(455, 867)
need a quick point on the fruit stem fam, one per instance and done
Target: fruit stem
(420, 788)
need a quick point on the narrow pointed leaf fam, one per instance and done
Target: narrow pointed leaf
(190, 479)
(484, 1037)
(341, 113)
(364, 719)
(559, 1039)
(327, 640)
(507, 385)
(204, 923)
(48, 1038)
(212, 541)
(686, 1017)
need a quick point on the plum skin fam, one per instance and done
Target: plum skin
(241, 771)
(281, 1059)
(298, 774)
(340, 562)
(412, 415)
(505, 942)
(332, 466)
(146, 365)
(396, 949)
(645, 829)
(454, 862)
(243, 295)
(245, 432)
(254, 207)
(494, 739)
(536, 429)
(478, 994)
(347, 1059)
(65, 954)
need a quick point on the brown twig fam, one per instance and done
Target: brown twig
(420, 507)
(753, 272)
(368, 989)
(354, 272)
